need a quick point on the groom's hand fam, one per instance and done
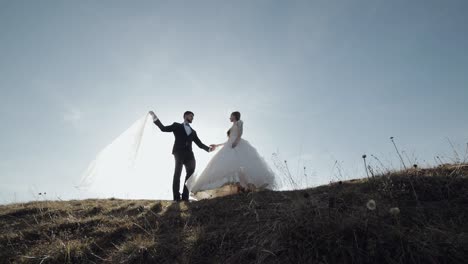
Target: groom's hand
(153, 115)
(212, 147)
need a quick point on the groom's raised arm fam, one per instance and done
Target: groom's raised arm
(200, 144)
(164, 128)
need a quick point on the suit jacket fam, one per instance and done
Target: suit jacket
(182, 142)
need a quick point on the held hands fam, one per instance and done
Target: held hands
(212, 148)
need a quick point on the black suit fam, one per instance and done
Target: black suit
(183, 154)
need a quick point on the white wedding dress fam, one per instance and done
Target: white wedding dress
(231, 167)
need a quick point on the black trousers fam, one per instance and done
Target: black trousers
(182, 159)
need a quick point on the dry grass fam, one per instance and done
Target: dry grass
(327, 224)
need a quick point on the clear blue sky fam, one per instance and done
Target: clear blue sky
(320, 81)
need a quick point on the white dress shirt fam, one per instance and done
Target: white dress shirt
(188, 129)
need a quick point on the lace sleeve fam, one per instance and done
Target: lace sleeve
(240, 125)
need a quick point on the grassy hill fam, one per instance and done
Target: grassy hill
(415, 216)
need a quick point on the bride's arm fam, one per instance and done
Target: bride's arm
(240, 129)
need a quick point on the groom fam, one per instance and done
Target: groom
(182, 150)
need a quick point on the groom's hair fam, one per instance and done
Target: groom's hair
(237, 115)
(188, 113)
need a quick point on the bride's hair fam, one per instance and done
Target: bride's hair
(237, 115)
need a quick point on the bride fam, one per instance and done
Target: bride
(236, 167)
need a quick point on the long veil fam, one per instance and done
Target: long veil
(127, 167)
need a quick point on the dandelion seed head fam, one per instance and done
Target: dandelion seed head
(371, 205)
(394, 211)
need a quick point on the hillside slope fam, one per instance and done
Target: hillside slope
(335, 223)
